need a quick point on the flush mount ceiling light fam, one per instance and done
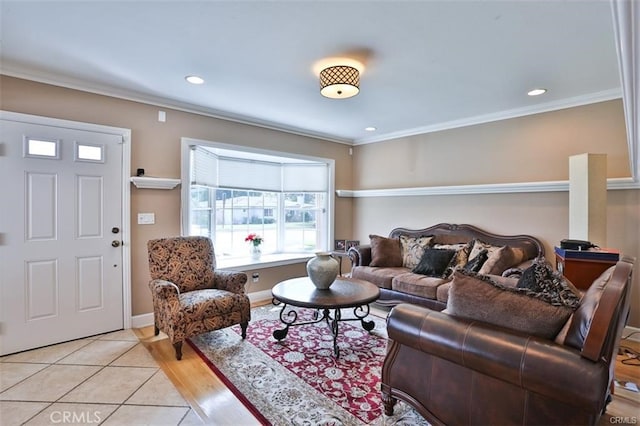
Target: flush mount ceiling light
(339, 82)
(536, 92)
(370, 129)
(194, 79)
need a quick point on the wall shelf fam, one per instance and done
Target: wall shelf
(144, 182)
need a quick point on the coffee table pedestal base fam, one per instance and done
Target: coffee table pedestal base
(290, 319)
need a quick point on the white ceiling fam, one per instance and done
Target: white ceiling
(428, 64)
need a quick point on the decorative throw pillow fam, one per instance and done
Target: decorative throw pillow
(502, 259)
(477, 297)
(434, 262)
(478, 246)
(385, 251)
(476, 263)
(413, 249)
(459, 259)
(552, 287)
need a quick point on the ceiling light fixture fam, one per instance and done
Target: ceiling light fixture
(339, 82)
(536, 92)
(370, 129)
(194, 79)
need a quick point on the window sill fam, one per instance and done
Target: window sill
(266, 261)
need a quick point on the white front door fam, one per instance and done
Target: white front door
(60, 234)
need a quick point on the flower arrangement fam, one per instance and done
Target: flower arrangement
(254, 239)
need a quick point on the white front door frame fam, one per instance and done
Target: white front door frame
(126, 189)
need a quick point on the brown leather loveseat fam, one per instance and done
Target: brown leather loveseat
(456, 371)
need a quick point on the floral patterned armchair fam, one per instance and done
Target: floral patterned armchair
(189, 296)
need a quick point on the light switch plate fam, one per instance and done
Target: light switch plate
(146, 218)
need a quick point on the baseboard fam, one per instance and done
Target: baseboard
(260, 296)
(632, 332)
(144, 320)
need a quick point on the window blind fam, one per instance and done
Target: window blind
(209, 169)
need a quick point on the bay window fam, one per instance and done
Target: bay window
(232, 193)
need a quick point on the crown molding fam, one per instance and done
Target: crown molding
(161, 102)
(494, 188)
(591, 98)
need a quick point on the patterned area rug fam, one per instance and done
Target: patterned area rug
(299, 380)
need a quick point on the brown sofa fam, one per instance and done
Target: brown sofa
(458, 371)
(396, 281)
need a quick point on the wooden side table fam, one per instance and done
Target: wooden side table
(583, 271)
(339, 254)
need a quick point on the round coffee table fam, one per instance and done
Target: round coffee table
(343, 293)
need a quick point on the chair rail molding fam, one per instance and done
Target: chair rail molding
(494, 188)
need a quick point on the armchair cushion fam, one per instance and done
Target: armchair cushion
(203, 304)
(477, 297)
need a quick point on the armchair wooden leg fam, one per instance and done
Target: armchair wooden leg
(244, 326)
(156, 330)
(178, 347)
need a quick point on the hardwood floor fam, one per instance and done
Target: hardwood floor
(216, 404)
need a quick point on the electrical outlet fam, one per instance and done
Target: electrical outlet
(256, 277)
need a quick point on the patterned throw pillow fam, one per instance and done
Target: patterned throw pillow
(413, 249)
(385, 251)
(551, 286)
(478, 246)
(459, 259)
(434, 262)
(476, 263)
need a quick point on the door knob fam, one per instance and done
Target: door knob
(115, 243)
(115, 230)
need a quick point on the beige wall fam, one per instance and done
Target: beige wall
(533, 148)
(155, 147)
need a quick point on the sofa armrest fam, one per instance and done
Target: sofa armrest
(360, 255)
(232, 281)
(535, 364)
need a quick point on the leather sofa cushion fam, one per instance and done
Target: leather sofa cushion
(481, 299)
(385, 251)
(381, 277)
(418, 285)
(583, 316)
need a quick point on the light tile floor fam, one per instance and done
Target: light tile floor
(109, 379)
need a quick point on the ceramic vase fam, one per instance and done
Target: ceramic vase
(255, 252)
(322, 270)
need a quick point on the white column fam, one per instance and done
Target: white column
(588, 198)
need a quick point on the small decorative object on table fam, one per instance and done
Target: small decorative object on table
(255, 240)
(322, 270)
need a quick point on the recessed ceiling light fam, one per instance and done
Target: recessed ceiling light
(194, 79)
(536, 92)
(370, 129)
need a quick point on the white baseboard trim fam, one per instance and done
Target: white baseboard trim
(628, 330)
(143, 320)
(260, 296)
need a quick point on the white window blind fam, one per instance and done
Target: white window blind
(209, 169)
(204, 167)
(304, 177)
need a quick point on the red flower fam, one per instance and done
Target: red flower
(255, 239)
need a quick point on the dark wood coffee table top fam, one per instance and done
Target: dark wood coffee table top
(343, 293)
